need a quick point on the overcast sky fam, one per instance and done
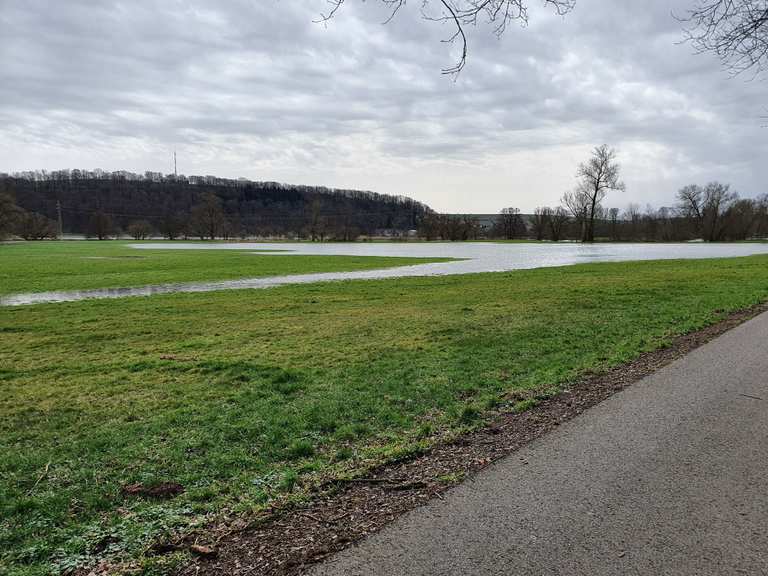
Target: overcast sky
(255, 88)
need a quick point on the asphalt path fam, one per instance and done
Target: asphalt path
(669, 476)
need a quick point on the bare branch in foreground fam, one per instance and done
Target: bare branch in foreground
(461, 14)
(736, 31)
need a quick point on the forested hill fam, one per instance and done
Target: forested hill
(168, 201)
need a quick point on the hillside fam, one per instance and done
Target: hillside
(250, 208)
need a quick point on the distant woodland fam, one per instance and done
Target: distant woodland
(120, 204)
(105, 204)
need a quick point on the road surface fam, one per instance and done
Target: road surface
(669, 476)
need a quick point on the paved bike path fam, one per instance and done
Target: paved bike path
(669, 476)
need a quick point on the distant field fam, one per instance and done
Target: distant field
(243, 396)
(79, 265)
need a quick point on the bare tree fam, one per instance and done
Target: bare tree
(557, 222)
(511, 223)
(742, 219)
(172, 226)
(100, 225)
(140, 229)
(540, 222)
(429, 228)
(470, 227)
(632, 217)
(613, 217)
(207, 219)
(577, 203)
(462, 14)
(598, 176)
(34, 226)
(762, 218)
(736, 31)
(706, 207)
(316, 221)
(9, 214)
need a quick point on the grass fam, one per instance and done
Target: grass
(45, 266)
(245, 396)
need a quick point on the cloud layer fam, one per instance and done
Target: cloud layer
(257, 89)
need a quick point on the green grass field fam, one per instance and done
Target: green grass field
(244, 396)
(44, 266)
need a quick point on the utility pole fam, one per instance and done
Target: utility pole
(61, 222)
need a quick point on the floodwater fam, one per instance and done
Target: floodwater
(472, 257)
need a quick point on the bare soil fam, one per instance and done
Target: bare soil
(285, 541)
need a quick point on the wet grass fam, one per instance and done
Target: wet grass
(72, 265)
(245, 396)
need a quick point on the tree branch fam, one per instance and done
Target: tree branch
(736, 31)
(463, 13)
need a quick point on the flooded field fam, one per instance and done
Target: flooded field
(469, 258)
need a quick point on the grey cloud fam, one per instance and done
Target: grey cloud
(257, 89)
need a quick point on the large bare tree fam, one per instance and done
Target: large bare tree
(597, 176)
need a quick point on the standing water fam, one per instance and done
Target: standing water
(470, 258)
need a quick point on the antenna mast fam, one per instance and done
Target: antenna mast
(175, 173)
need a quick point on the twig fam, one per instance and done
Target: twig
(372, 480)
(339, 517)
(313, 517)
(43, 475)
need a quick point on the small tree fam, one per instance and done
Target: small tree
(511, 223)
(430, 225)
(140, 229)
(762, 217)
(100, 225)
(172, 226)
(577, 203)
(540, 222)
(633, 216)
(557, 222)
(316, 221)
(613, 218)
(207, 218)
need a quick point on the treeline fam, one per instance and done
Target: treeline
(15, 221)
(712, 213)
(105, 204)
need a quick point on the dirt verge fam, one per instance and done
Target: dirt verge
(284, 542)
